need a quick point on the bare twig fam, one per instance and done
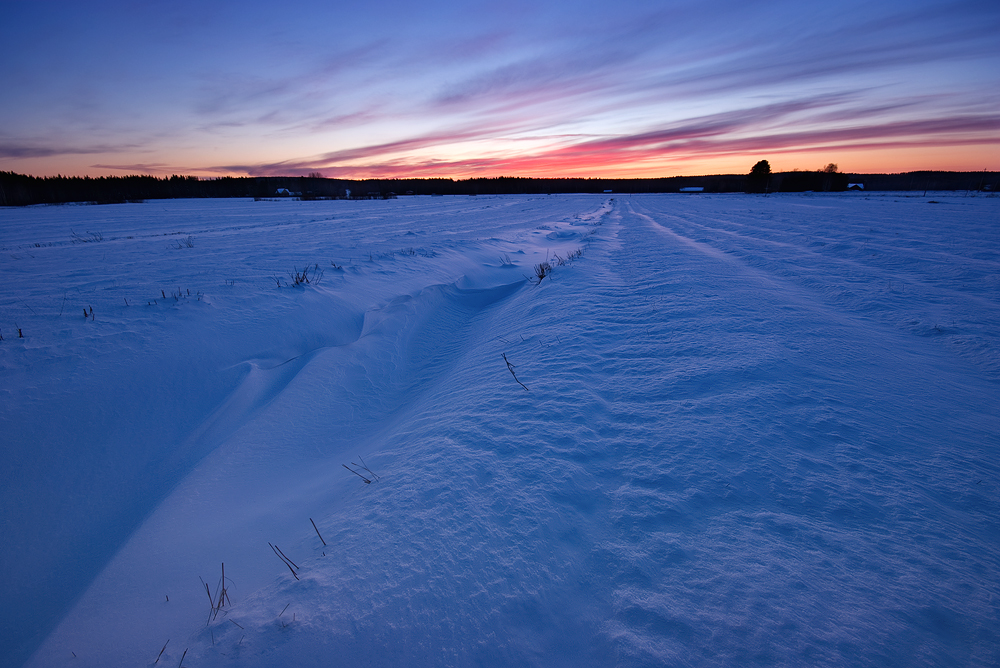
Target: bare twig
(510, 367)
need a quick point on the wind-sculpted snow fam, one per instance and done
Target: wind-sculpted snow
(756, 431)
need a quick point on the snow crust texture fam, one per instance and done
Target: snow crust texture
(752, 431)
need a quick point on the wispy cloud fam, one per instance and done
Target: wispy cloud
(284, 94)
(743, 132)
(17, 150)
(140, 168)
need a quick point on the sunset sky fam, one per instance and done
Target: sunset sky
(446, 88)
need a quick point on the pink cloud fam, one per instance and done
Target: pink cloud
(734, 133)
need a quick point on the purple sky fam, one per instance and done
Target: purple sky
(486, 89)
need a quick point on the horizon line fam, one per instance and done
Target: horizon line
(487, 178)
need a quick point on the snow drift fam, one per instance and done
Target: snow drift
(756, 430)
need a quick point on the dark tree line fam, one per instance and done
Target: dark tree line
(19, 189)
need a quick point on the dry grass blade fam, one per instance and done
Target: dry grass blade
(317, 532)
(367, 481)
(161, 652)
(510, 367)
(284, 560)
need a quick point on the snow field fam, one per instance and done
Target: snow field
(757, 432)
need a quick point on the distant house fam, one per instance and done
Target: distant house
(692, 189)
(855, 186)
(282, 192)
(608, 190)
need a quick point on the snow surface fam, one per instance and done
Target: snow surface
(757, 431)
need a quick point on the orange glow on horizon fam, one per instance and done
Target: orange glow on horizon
(575, 162)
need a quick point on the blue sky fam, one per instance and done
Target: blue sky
(393, 89)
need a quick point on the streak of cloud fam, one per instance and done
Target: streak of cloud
(15, 150)
(139, 168)
(750, 131)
